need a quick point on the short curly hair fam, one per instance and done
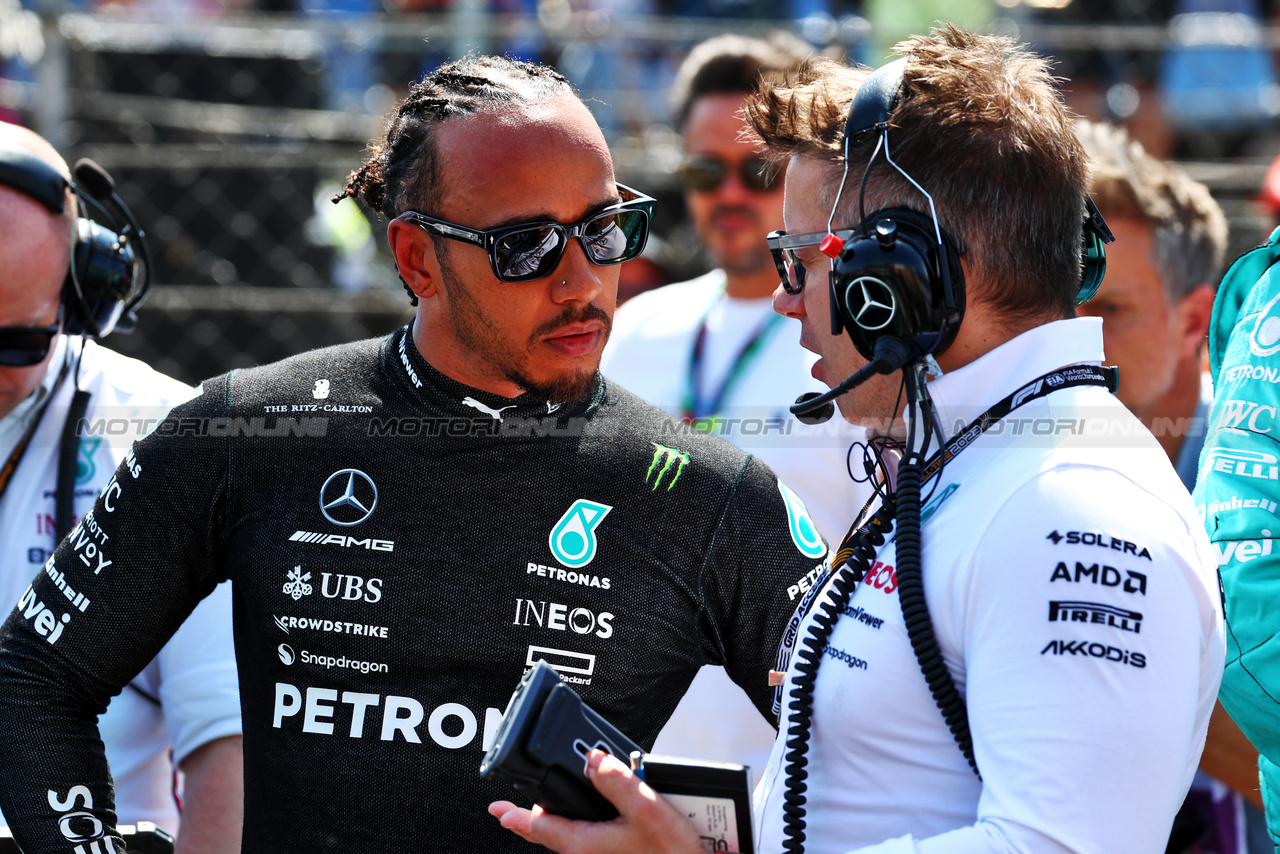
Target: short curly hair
(980, 125)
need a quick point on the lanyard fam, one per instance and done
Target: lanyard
(1076, 375)
(692, 403)
(15, 456)
(1070, 377)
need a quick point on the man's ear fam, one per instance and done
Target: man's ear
(1194, 311)
(415, 254)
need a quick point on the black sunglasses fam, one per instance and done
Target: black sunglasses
(790, 268)
(24, 346)
(703, 173)
(532, 250)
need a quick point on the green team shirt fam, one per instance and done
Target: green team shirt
(1238, 497)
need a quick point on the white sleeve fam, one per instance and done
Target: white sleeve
(199, 690)
(1090, 668)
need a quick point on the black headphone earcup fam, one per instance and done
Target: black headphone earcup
(101, 281)
(893, 279)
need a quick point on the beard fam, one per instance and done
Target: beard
(482, 336)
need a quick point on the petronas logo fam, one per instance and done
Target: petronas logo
(85, 467)
(668, 457)
(803, 532)
(573, 539)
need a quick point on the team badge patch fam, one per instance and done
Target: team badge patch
(803, 532)
(573, 539)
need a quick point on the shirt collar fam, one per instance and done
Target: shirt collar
(962, 395)
(453, 398)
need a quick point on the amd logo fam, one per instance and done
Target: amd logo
(1107, 576)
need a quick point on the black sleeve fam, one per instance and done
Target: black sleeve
(765, 553)
(103, 606)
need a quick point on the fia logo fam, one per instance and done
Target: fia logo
(573, 539)
(297, 585)
(671, 456)
(321, 391)
(803, 532)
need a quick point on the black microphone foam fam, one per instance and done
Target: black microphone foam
(94, 179)
(807, 415)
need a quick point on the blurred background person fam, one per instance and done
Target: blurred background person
(183, 710)
(713, 351)
(1268, 198)
(1155, 304)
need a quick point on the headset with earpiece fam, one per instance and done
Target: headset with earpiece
(109, 274)
(897, 288)
(108, 277)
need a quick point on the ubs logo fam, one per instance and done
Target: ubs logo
(348, 497)
(877, 306)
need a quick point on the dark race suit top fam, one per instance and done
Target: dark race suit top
(402, 548)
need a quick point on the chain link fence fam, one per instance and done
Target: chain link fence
(227, 130)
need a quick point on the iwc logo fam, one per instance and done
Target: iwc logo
(1264, 340)
(348, 497)
(878, 305)
(573, 539)
(803, 532)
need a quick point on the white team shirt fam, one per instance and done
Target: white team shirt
(189, 694)
(1072, 590)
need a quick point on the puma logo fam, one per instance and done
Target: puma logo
(496, 413)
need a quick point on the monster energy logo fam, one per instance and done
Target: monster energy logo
(670, 455)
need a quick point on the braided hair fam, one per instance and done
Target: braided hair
(402, 171)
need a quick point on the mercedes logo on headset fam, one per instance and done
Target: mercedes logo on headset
(348, 497)
(878, 304)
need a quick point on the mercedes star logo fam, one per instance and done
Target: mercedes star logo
(348, 497)
(878, 304)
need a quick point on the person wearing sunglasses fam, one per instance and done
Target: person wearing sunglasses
(713, 351)
(411, 522)
(182, 711)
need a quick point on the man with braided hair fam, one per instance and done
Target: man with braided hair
(411, 522)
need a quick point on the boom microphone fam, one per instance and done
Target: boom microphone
(813, 408)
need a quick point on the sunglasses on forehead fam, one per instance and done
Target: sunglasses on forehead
(703, 173)
(24, 346)
(532, 250)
